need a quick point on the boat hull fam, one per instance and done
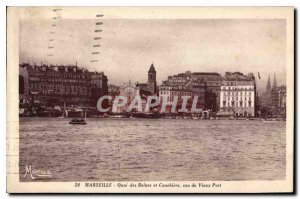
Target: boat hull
(78, 123)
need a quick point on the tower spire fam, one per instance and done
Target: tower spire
(269, 84)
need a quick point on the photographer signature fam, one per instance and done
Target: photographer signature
(37, 173)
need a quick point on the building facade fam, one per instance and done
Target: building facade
(131, 92)
(238, 95)
(206, 85)
(213, 82)
(60, 85)
(183, 85)
(273, 100)
(169, 92)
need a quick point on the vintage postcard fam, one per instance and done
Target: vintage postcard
(150, 99)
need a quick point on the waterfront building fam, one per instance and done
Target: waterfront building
(169, 92)
(23, 86)
(98, 87)
(273, 100)
(180, 85)
(280, 95)
(205, 85)
(213, 82)
(60, 85)
(131, 92)
(238, 95)
(113, 90)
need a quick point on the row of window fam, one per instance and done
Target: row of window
(237, 93)
(49, 75)
(237, 88)
(237, 98)
(235, 83)
(39, 86)
(237, 104)
(60, 80)
(182, 93)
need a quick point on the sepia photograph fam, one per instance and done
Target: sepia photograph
(150, 100)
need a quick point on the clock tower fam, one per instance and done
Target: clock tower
(151, 84)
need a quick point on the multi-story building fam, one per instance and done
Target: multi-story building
(98, 87)
(205, 85)
(60, 85)
(182, 85)
(113, 90)
(213, 82)
(238, 95)
(280, 94)
(169, 92)
(273, 101)
(23, 86)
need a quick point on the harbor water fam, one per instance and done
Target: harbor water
(120, 149)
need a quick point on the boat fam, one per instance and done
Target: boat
(75, 112)
(116, 116)
(119, 116)
(146, 115)
(78, 121)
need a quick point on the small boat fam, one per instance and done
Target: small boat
(78, 121)
(116, 116)
(146, 115)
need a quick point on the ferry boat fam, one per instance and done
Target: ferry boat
(78, 121)
(75, 112)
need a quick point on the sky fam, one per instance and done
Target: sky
(129, 46)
